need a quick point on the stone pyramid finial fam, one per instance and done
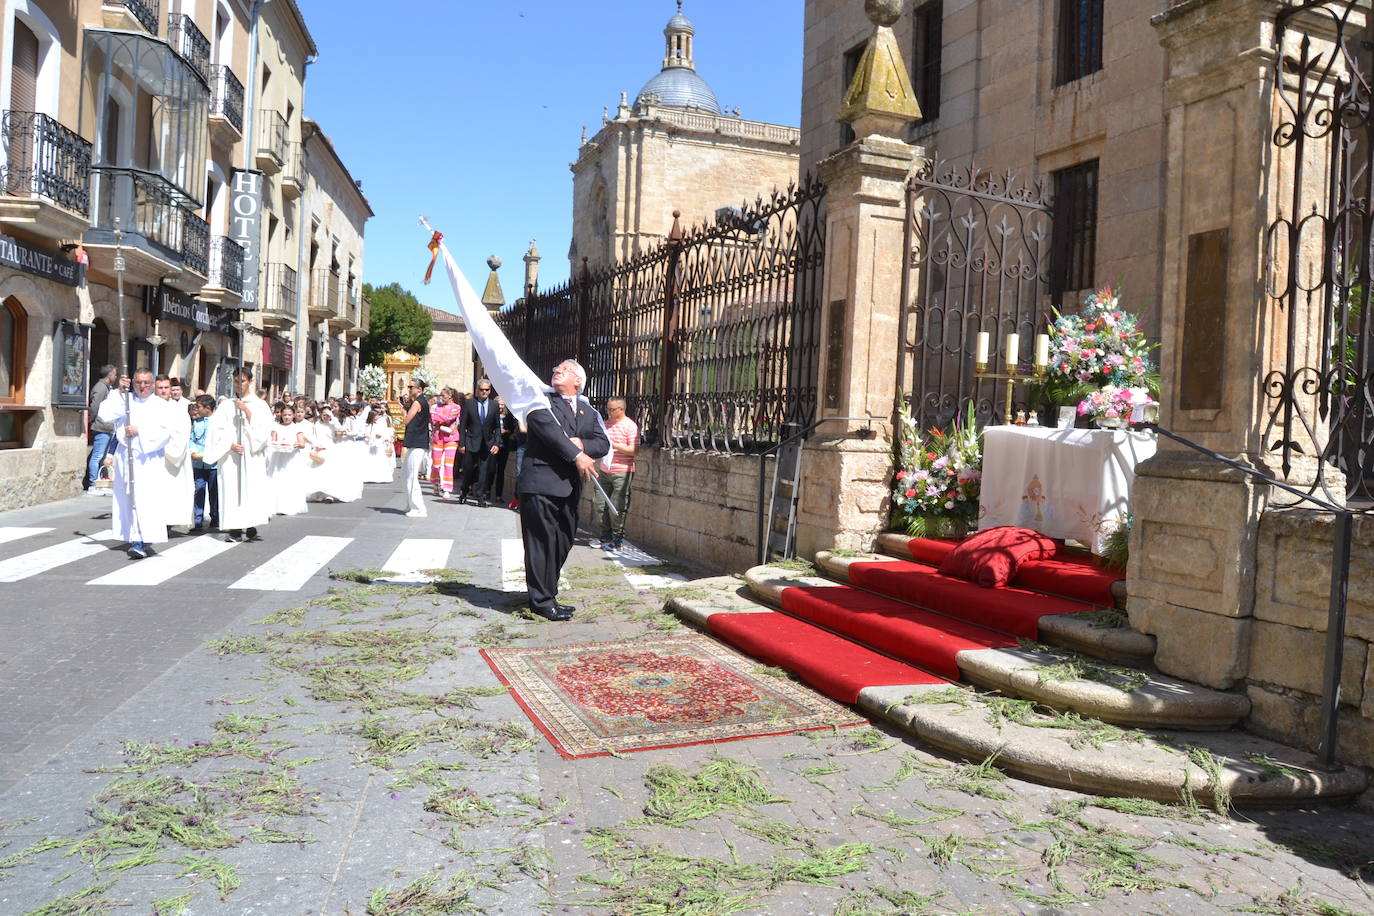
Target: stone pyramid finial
(880, 100)
(492, 297)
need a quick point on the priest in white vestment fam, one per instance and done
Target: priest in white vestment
(143, 428)
(240, 431)
(182, 498)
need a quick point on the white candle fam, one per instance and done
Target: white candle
(982, 357)
(1013, 354)
(1042, 349)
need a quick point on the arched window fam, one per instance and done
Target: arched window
(14, 328)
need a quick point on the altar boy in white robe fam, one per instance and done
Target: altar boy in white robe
(240, 431)
(143, 429)
(182, 498)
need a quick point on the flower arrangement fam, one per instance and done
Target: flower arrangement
(1102, 345)
(938, 474)
(1114, 402)
(372, 382)
(425, 377)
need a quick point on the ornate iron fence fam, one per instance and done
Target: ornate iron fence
(712, 337)
(190, 42)
(45, 159)
(226, 264)
(1320, 250)
(979, 246)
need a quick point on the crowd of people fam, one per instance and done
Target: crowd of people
(229, 463)
(284, 455)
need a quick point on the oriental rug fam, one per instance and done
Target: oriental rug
(650, 692)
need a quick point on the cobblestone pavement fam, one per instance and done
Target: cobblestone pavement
(344, 749)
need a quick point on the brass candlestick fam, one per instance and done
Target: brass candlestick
(1013, 376)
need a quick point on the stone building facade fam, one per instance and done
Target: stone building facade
(670, 148)
(126, 126)
(450, 355)
(997, 89)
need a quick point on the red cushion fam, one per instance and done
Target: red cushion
(992, 557)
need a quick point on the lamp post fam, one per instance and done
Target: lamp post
(156, 340)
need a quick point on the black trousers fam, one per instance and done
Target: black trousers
(498, 474)
(547, 524)
(477, 466)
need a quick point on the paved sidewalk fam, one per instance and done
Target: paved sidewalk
(347, 751)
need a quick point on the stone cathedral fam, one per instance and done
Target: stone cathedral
(670, 148)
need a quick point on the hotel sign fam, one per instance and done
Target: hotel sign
(23, 256)
(245, 227)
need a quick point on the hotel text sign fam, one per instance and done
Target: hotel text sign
(245, 227)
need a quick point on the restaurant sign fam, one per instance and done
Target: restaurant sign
(23, 256)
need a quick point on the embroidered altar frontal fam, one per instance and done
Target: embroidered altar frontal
(650, 692)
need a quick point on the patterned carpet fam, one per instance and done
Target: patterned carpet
(655, 691)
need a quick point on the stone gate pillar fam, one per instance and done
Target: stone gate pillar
(1193, 554)
(845, 479)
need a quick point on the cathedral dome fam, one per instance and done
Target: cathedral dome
(681, 88)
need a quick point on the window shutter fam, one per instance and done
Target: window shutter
(24, 72)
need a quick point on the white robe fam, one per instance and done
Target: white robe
(381, 453)
(182, 508)
(144, 518)
(287, 468)
(250, 504)
(339, 475)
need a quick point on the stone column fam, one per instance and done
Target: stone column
(1193, 551)
(845, 478)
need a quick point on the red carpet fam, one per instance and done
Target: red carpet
(1011, 610)
(1070, 574)
(912, 634)
(831, 664)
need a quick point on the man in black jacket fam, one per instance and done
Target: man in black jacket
(480, 427)
(563, 445)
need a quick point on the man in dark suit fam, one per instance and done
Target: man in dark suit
(481, 440)
(563, 445)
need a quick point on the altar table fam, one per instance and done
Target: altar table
(1064, 483)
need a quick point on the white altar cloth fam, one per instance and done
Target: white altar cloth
(1064, 483)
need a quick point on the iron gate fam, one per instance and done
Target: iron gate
(1318, 259)
(978, 245)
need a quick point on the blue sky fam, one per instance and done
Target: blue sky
(471, 112)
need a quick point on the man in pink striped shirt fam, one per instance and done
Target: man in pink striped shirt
(615, 474)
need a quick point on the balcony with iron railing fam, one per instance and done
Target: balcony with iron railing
(318, 305)
(45, 178)
(293, 171)
(279, 287)
(162, 237)
(271, 141)
(226, 266)
(360, 309)
(190, 42)
(130, 14)
(226, 105)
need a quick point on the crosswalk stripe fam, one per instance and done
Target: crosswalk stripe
(158, 569)
(14, 534)
(413, 555)
(512, 565)
(29, 564)
(291, 569)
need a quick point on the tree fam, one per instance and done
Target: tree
(399, 322)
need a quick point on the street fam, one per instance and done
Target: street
(266, 728)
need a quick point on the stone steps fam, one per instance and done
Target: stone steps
(1049, 730)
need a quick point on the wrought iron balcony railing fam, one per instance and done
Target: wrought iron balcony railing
(145, 11)
(195, 243)
(272, 133)
(227, 102)
(279, 290)
(45, 159)
(190, 42)
(293, 168)
(150, 206)
(226, 264)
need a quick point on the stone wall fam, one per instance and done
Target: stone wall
(1288, 641)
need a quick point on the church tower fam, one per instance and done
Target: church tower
(673, 148)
